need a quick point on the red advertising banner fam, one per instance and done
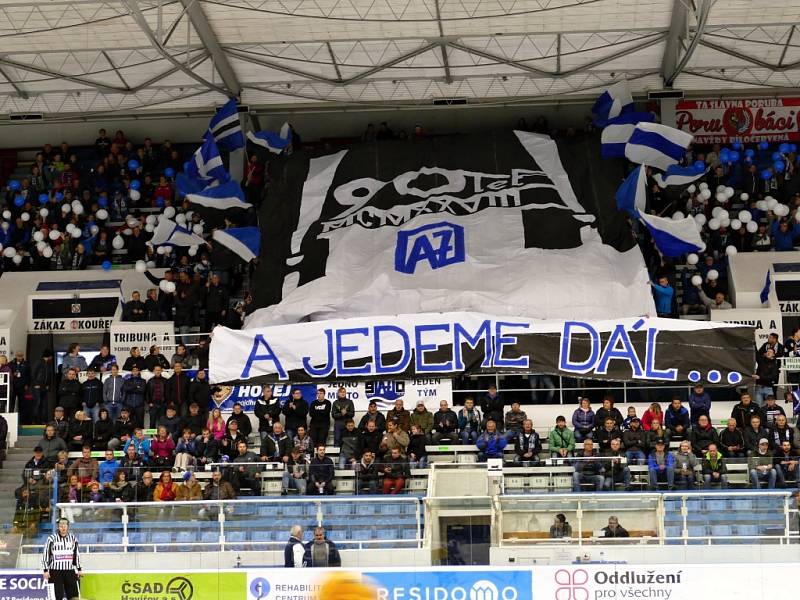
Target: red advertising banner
(751, 120)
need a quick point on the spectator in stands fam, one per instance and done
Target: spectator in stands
(699, 403)
(588, 469)
(207, 448)
(141, 443)
(373, 415)
(135, 360)
(767, 371)
(321, 552)
(583, 421)
(277, 446)
(772, 343)
(783, 235)
(166, 490)
(320, 418)
(634, 442)
(491, 442)
(42, 380)
(320, 473)
(80, 431)
(244, 471)
(156, 395)
(607, 411)
(614, 529)
(216, 424)
(770, 410)
(177, 390)
(92, 394)
(20, 384)
(615, 470)
(744, 410)
(185, 450)
(781, 432)
(369, 439)
(156, 359)
(417, 452)
(514, 419)
(60, 422)
(267, 410)
(661, 466)
(295, 412)
(171, 421)
(108, 468)
(685, 464)
(663, 294)
(718, 303)
(422, 418)
(162, 448)
(37, 465)
(303, 440)
(786, 461)
(120, 489)
(469, 421)
(190, 489)
(113, 397)
(216, 304)
(703, 435)
(714, 470)
(194, 421)
(676, 420)
(395, 472)
(103, 431)
(393, 437)
(135, 393)
(731, 440)
(73, 359)
(653, 412)
(445, 425)
(51, 444)
(608, 432)
(527, 445)
(366, 472)
(145, 489)
(753, 433)
(560, 528)
(85, 467)
(131, 463)
(245, 426)
(103, 361)
(492, 405)
(134, 309)
(626, 424)
(233, 436)
(181, 356)
(400, 416)
(348, 445)
(216, 490)
(69, 392)
(761, 466)
(342, 410)
(295, 477)
(561, 441)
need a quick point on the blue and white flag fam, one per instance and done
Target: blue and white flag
(244, 241)
(222, 197)
(612, 103)
(673, 238)
(206, 163)
(766, 289)
(170, 233)
(619, 131)
(274, 142)
(225, 127)
(186, 185)
(632, 194)
(657, 145)
(677, 175)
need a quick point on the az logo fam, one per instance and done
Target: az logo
(438, 244)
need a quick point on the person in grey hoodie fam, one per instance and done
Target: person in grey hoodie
(685, 463)
(112, 393)
(51, 444)
(349, 442)
(342, 411)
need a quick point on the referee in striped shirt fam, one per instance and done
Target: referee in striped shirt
(61, 562)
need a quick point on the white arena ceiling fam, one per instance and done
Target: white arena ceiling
(66, 58)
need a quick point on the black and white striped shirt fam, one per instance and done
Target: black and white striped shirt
(61, 553)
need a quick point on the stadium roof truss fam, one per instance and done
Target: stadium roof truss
(80, 58)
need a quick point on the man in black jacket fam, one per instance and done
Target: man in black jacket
(527, 445)
(42, 381)
(320, 474)
(493, 406)
(702, 436)
(134, 393)
(366, 474)
(745, 409)
(445, 424)
(373, 415)
(217, 301)
(296, 412)
(321, 552)
(320, 412)
(200, 391)
(277, 445)
(267, 410)
(178, 389)
(369, 439)
(69, 393)
(20, 382)
(134, 309)
(92, 394)
(634, 442)
(342, 410)
(609, 431)
(241, 417)
(156, 395)
(731, 440)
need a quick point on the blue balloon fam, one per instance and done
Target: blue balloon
(59, 196)
(14, 185)
(792, 147)
(102, 202)
(699, 165)
(779, 166)
(776, 156)
(106, 265)
(160, 202)
(766, 174)
(169, 172)
(737, 145)
(135, 184)
(750, 152)
(763, 145)
(784, 148)
(43, 198)
(133, 164)
(19, 201)
(734, 156)
(186, 167)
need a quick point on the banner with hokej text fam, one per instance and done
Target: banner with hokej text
(450, 344)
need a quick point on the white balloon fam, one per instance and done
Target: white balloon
(135, 195)
(65, 208)
(180, 219)
(192, 250)
(729, 192)
(745, 197)
(44, 212)
(149, 228)
(78, 209)
(703, 185)
(771, 203)
(720, 188)
(189, 214)
(198, 229)
(713, 224)
(118, 242)
(5, 225)
(151, 219)
(692, 259)
(725, 222)
(161, 250)
(140, 266)
(752, 227)
(76, 232)
(169, 212)
(745, 216)
(40, 246)
(54, 234)
(700, 219)
(691, 189)
(170, 287)
(69, 227)
(678, 216)
(127, 231)
(721, 197)
(132, 222)
(94, 230)
(712, 275)
(17, 259)
(47, 252)
(151, 264)
(162, 285)
(736, 224)
(697, 280)
(10, 252)
(715, 211)
(731, 250)
(167, 249)
(101, 214)
(705, 194)
(25, 217)
(6, 214)
(761, 205)
(723, 214)
(38, 236)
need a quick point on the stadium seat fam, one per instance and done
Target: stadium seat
(184, 539)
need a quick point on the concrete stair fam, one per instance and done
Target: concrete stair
(11, 476)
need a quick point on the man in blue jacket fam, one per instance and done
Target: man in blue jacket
(783, 236)
(699, 402)
(491, 443)
(663, 294)
(676, 420)
(661, 466)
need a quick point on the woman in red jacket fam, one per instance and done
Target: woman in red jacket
(654, 412)
(162, 448)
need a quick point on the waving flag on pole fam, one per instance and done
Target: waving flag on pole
(619, 131)
(169, 232)
(225, 127)
(766, 289)
(632, 194)
(673, 238)
(677, 175)
(206, 163)
(222, 197)
(243, 241)
(274, 142)
(612, 103)
(656, 145)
